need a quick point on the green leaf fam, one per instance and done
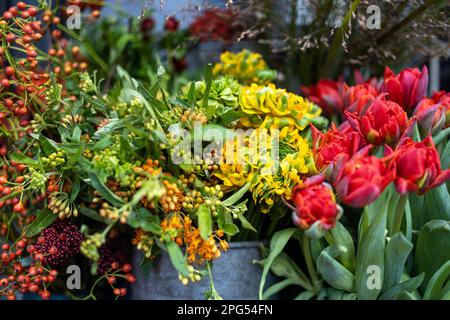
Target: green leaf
(142, 218)
(343, 238)
(92, 214)
(277, 244)
(332, 271)
(371, 253)
(432, 248)
(437, 283)
(284, 266)
(43, 220)
(177, 258)
(409, 286)
(104, 191)
(397, 251)
(114, 124)
(236, 196)
(230, 229)
(20, 158)
(191, 94)
(48, 146)
(437, 203)
(204, 221)
(305, 295)
(76, 134)
(75, 188)
(277, 287)
(245, 223)
(445, 157)
(210, 109)
(441, 136)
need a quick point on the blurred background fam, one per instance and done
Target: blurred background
(305, 39)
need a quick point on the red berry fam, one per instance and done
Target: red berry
(5, 246)
(117, 291)
(21, 5)
(11, 297)
(9, 71)
(19, 207)
(126, 268)
(7, 15)
(131, 278)
(114, 265)
(7, 191)
(33, 288)
(53, 250)
(123, 291)
(21, 243)
(111, 280)
(32, 271)
(14, 11)
(5, 83)
(45, 295)
(32, 11)
(54, 273)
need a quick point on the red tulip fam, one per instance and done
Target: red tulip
(384, 122)
(327, 94)
(357, 97)
(171, 24)
(418, 167)
(336, 141)
(360, 180)
(407, 88)
(443, 98)
(430, 115)
(314, 201)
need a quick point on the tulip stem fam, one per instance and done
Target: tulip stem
(398, 214)
(306, 247)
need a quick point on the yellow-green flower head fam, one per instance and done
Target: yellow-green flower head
(274, 108)
(247, 67)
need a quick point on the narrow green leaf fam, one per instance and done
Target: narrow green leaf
(397, 251)
(177, 258)
(43, 220)
(20, 158)
(437, 283)
(371, 253)
(409, 286)
(104, 191)
(343, 238)
(204, 221)
(237, 196)
(432, 248)
(332, 271)
(277, 244)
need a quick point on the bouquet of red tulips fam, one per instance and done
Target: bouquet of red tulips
(390, 155)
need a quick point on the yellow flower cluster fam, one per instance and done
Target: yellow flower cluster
(246, 67)
(270, 107)
(270, 172)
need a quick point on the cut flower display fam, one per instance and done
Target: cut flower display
(116, 165)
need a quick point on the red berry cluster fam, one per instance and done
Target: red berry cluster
(59, 241)
(116, 272)
(19, 278)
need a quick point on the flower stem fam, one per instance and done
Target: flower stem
(309, 262)
(398, 214)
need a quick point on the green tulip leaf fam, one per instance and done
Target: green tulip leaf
(432, 249)
(397, 251)
(332, 271)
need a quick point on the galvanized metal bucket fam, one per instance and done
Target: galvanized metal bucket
(236, 277)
